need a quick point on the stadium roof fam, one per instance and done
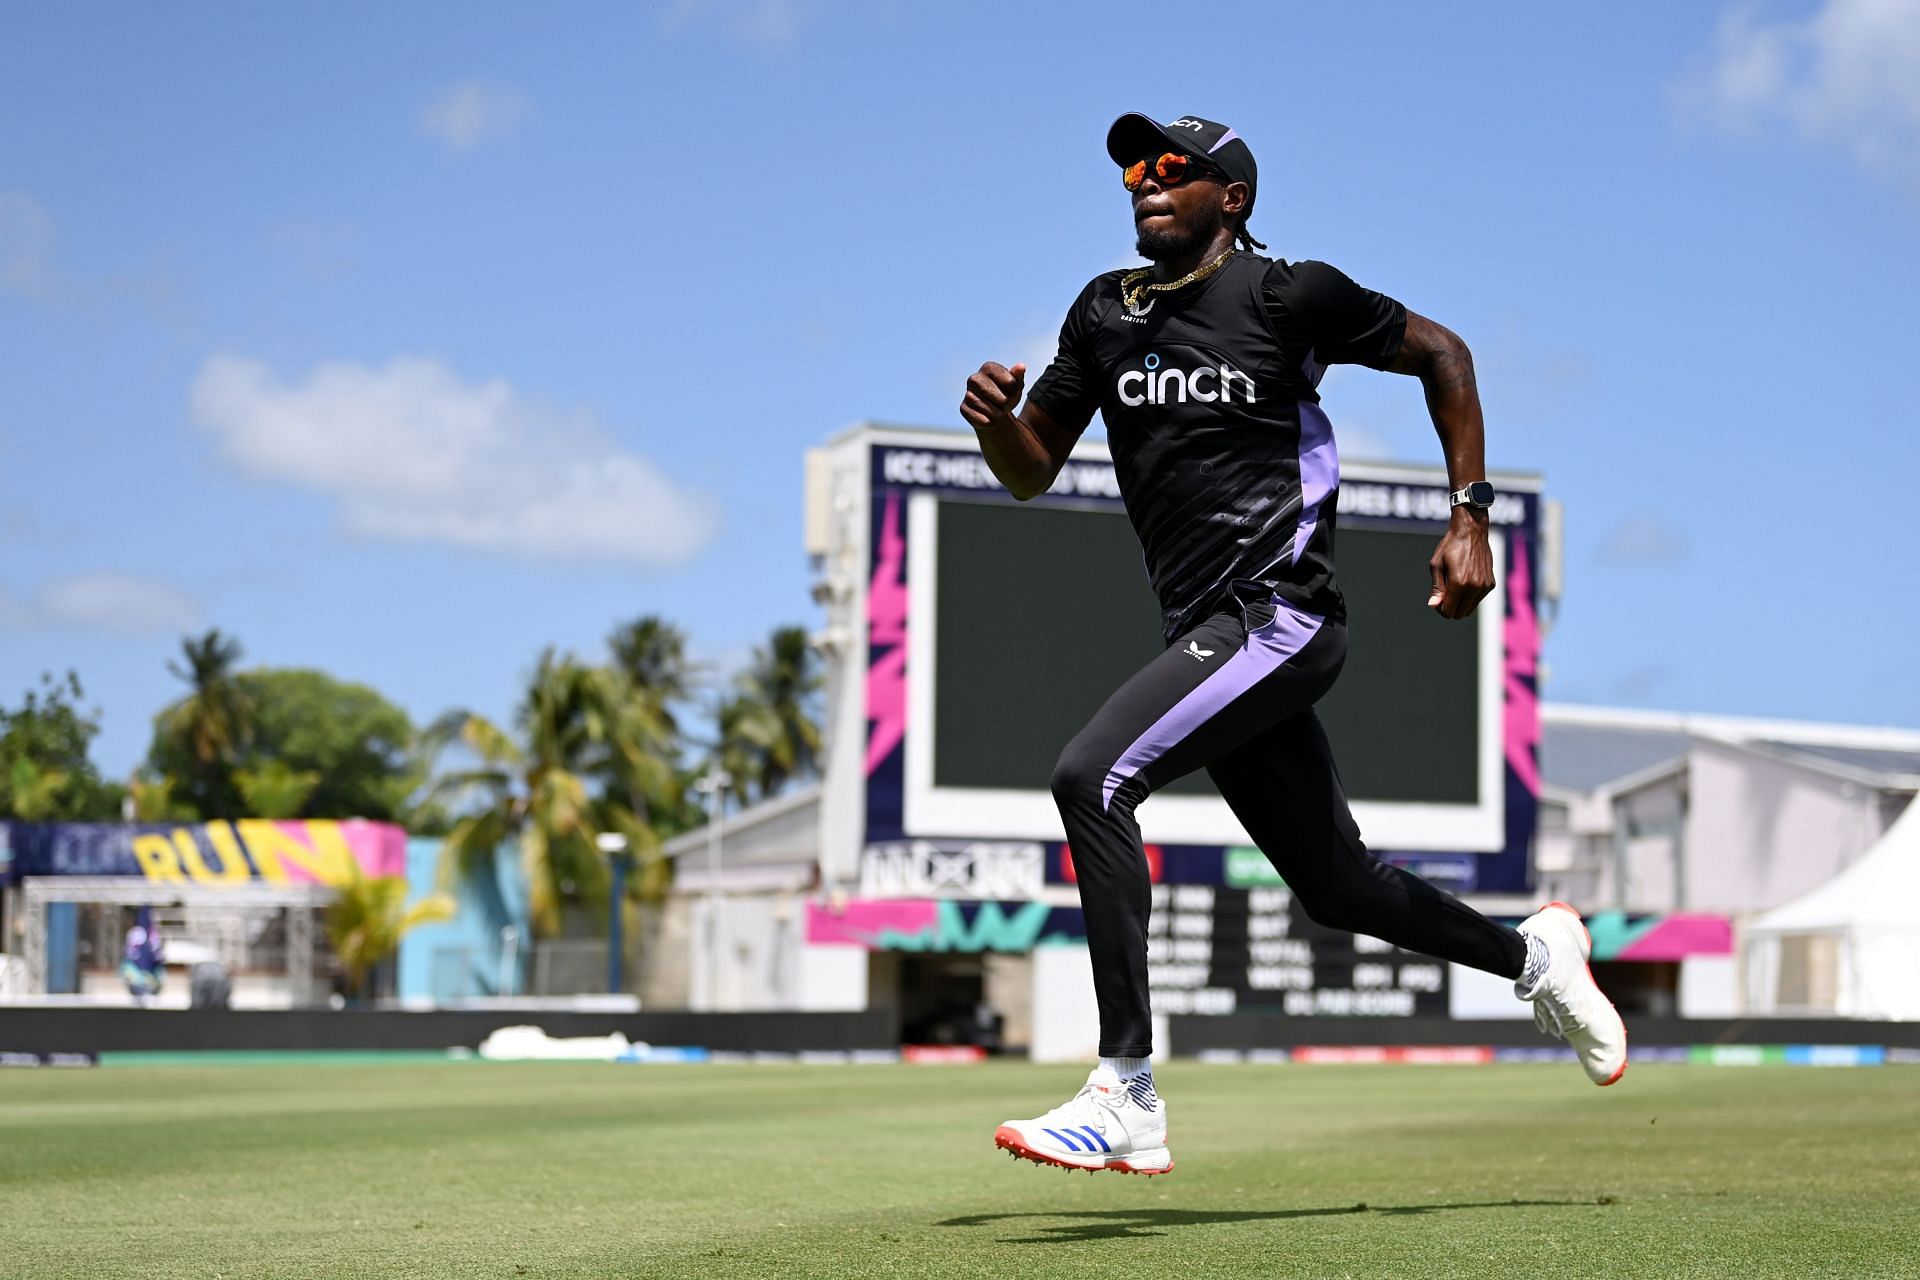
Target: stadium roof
(1584, 749)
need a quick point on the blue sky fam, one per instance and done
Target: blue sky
(406, 340)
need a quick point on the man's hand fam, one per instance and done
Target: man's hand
(1025, 447)
(992, 396)
(1462, 565)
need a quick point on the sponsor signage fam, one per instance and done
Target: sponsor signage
(965, 471)
(969, 869)
(210, 853)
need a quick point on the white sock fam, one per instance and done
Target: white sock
(1136, 1076)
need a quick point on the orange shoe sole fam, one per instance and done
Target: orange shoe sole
(1008, 1139)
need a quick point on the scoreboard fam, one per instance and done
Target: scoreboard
(972, 636)
(1218, 950)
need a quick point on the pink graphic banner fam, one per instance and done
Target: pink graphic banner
(212, 853)
(870, 923)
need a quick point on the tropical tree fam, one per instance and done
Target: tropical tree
(275, 789)
(652, 654)
(154, 801)
(581, 727)
(745, 733)
(314, 747)
(769, 731)
(34, 790)
(368, 918)
(357, 746)
(199, 738)
(46, 773)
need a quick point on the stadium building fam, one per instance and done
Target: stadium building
(927, 872)
(924, 878)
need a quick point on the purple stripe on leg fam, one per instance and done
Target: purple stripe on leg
(1266, 651)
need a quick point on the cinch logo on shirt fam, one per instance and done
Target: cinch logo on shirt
(1208, 384)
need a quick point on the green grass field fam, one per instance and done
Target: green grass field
(709, 1171)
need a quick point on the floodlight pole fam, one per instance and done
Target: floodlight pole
(614, 845)
(713, 784)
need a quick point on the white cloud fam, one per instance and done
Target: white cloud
(768, 23)
(117, 602)
(411, 452)
(1847, 75)
(26, 245)
(106, 602)
(466, 115)
(321, 251)
(1644, 538)
(764, 24)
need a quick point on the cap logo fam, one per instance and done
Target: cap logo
(1188, 122)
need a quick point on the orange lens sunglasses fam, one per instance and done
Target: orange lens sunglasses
(1171, 169)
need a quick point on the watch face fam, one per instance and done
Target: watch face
(1480, 493)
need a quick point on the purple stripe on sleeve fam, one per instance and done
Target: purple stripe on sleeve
(1229, 136)
(1265, 652)
(1319, 472)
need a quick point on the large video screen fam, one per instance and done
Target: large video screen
(1044, 611)
(1038, 612)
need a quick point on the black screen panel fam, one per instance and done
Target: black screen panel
(1042, 611)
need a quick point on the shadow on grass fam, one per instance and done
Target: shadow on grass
(1122, 1224)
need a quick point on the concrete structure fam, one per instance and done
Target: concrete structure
(206, 923)
(732, 936)
(1648, 820)
(1649, 811)
(483, 951)
(1692, 821)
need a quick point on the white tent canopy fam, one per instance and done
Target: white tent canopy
(1852, 946)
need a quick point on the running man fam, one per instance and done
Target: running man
(1204, 368)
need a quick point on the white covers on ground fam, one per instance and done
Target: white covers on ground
(1851, 947)
(514, 1044)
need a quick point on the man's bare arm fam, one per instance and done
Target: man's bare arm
(1462, 564)
(1025, 447)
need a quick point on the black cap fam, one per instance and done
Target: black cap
(1134, 135)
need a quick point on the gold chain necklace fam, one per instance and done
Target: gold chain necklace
(1131, 295)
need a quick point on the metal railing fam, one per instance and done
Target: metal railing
(568, 967)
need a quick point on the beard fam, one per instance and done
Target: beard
(1158, 246)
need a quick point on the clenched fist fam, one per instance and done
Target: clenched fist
(992, 396)
(1462, 566)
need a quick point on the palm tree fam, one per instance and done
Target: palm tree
(782, 684)
(275, 789)
(212, 723)
(652, 654)
(745, 733)
(589, 748)
(369, 917)
(153, 799)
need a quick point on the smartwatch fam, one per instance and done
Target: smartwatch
(1479, 495)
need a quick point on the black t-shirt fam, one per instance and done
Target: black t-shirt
(1225, 460)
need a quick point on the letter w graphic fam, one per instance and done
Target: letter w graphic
(992, 928)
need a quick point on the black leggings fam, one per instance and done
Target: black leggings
(1235, 696)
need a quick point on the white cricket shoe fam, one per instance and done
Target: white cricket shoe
(1107, 1125)
(1567, 1003)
